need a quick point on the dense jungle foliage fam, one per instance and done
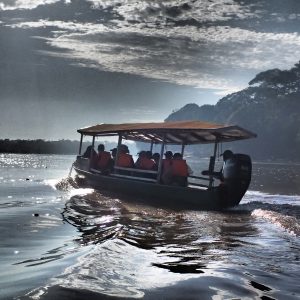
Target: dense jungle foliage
(270, 107)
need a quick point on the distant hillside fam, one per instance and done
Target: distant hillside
(270, 107)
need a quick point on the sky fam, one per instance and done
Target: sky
(67, 64)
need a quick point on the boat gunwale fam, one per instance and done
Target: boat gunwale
(141, 180)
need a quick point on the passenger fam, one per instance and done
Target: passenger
(156, 157)
(180, 170)
(90, 153)
(149, 154)
(113, 153)
(104, 159)
(125, 160)
(140, 155)
(87, 153)
(166, 175)
(144, 161)
(113, 158)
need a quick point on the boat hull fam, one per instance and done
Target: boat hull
(160, 195)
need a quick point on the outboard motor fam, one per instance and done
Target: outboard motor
(236, 179)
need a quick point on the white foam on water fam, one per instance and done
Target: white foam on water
(253, 196)
(51, 182)
(62, 184)
(80, 192)
(288, 223)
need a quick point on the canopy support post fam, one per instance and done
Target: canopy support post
(161, 160)
(92, 153)
(212, 165)
(80, 144)
(182, 148)
(151, 146)
(118, 148)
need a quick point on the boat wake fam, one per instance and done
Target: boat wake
(288, 223)
(66, 184)
(280, 210)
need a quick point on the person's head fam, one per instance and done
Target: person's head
(113, 152)
(124, 149)
(100, 147)
(156, 157)
(142, 154)
(177, 156)
(89, 149)
(149, 154)
(227, 154)
(169, 154)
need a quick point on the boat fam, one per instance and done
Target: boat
(203, 192)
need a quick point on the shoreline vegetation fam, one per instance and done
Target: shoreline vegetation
(40, 146)
(269, 107)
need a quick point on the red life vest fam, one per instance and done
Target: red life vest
(146, 163)
(179, 167)
(124, 160)
(94, 160)
(103, 159)
(166, 165)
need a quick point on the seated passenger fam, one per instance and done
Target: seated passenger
(125, 160)
(90, 153)
(156, 158)
(87, 153)
(104, 159)
(113, 153)
(144, 161)
(180, 170)
(166, 175)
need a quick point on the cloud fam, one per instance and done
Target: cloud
(55, 54)
(185, 55)
(24, 4)
(159, 11)
(144, 38)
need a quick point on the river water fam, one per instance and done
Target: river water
(61, 242)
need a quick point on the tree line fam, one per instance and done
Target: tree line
(40, 146)
(269, 106)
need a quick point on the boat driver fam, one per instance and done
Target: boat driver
(227, 154)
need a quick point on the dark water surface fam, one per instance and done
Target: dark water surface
(61, 242)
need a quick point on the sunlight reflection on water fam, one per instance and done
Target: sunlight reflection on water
(81, 244)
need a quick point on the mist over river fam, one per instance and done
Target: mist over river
(61, 242)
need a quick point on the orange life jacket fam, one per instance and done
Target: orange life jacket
(93, 161)
(146, 163)
(103, 159)
(179, 167)
(166, 165)
(124, 160)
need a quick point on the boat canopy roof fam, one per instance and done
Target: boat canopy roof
(182, 132)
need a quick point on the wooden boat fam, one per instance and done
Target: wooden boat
(146, 186)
